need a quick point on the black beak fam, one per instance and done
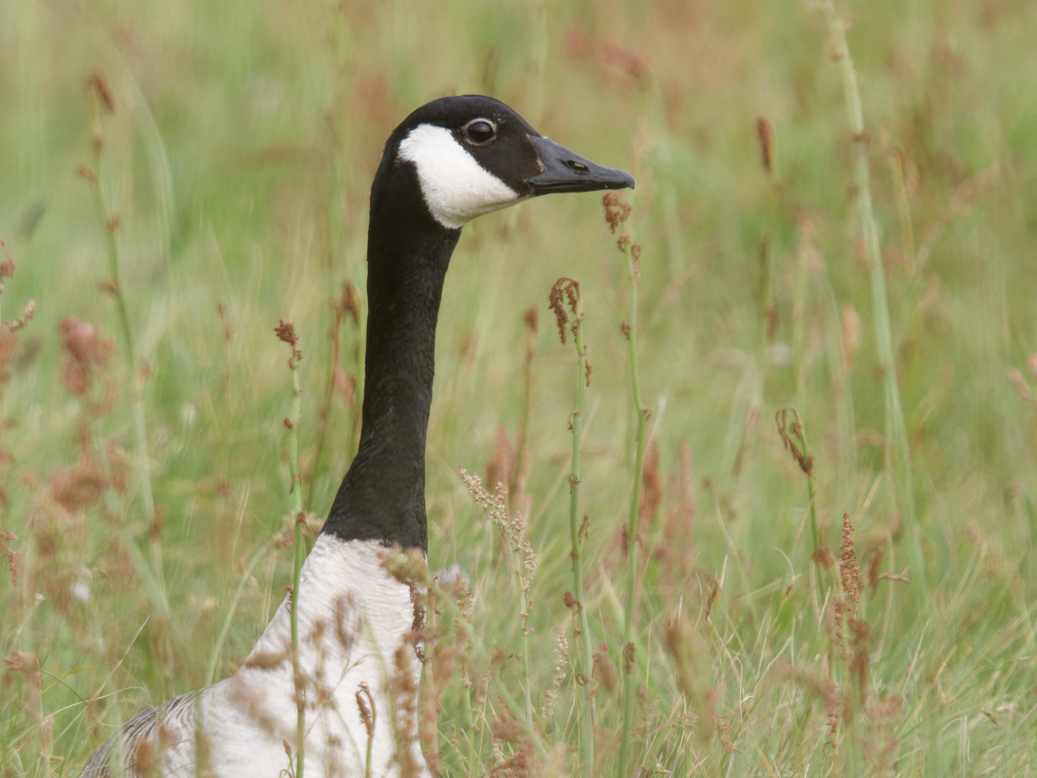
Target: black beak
(564, 171)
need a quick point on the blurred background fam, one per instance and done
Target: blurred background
(222, 155)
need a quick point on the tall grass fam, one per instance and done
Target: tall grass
(895, 428)
(749, 657)
(617, 215)
(566, 294)
(103, 104)
(286, 333)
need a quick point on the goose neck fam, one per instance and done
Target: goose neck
(383, 494)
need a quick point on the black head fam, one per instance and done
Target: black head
(474, 154)
(448, 162)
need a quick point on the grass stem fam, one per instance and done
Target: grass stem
(896, 428)
(567, 290)
(449, 608)
(527, 696)
(631, 253)
(111, 223)
(794, 436)
(286, 332)
(257, 555)
(575, 525)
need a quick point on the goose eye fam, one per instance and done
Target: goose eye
(480, 131)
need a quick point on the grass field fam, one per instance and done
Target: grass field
(176, 177)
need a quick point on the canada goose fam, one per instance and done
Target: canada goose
(448, 162)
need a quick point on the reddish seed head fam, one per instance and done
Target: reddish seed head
(25, 663)
(824, 558)
(532, 318)
(792, 436)
(86, 351)
(221, 314)
(13, 325)
(616, 212)
(365, 704)
(628, 658)
(98, 82)
(157, 523)
(345, 384)
(556, 303)
(765, 132)
(285, 331)
(604, 670)
(7, 555)
(351, 301)
(848, 569)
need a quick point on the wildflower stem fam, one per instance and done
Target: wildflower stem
(469, 731)
(334, 333)
(300, 518)
(347, 306)
(451, 610)
(518, 489)
(811, 495)
(896, 428)
(511, 527)
(524, 592)
(110, 223)
(260, 552)
(794, 436)
(370, 744)
(629, 681)
(584, 652)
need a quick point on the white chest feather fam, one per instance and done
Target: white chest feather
(455, 187)
(353, 622)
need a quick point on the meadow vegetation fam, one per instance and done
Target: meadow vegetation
(827, 582)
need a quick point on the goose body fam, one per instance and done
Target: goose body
(451, 160)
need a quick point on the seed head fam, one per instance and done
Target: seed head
(285, 331)
(565, 291)
(97, 81)
(765, 132)
(616, 211)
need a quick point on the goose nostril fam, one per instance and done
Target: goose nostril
(577, 166)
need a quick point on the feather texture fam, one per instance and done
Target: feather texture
(354, 623)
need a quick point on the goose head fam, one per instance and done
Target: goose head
(467, 156)
(450, 161)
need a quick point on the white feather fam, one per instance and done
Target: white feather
(353, 616)
(455, 186)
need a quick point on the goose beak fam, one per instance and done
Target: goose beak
(564, 171)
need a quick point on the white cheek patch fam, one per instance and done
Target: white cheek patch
(455, 187)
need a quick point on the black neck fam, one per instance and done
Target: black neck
(383, 494)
